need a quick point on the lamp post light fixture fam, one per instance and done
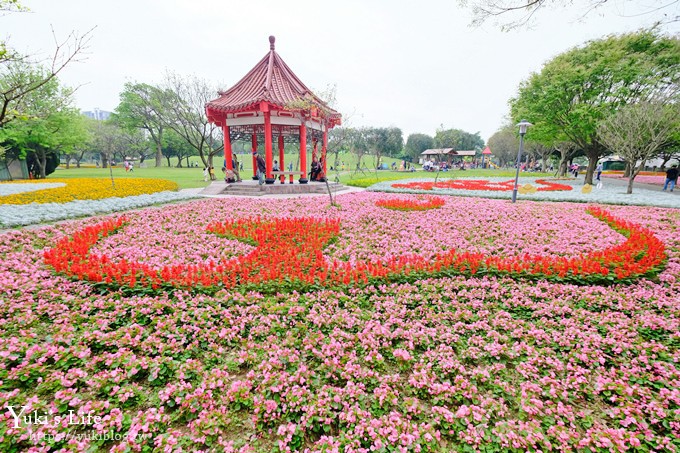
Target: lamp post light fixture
(523, 126)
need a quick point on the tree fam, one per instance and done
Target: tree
(183, 111)
(416, 144)
(108, 142)
(82, 127)
(10, 6)
(568, 150)
(48, 125)
(358, 146)
(637, 132)
(19, 76)
(504, 145)
(540, 152)
(671, 151)
(41, 140)
(521, 12)
(577, 89)
(176, 146)
(457, 139)
(138, 144)
(141, 107)
(339, 141)
(383, 141)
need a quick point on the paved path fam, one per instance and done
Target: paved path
(348, 189)
(638, 185)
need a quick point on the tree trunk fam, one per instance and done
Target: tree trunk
(42, 163)
(79, 158)
(593, 154)
(159, 156)
(628, 170)
(168, 158)
(562, 167)
(159, 149)
(634, 173)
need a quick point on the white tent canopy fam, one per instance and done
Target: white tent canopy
(447, 152)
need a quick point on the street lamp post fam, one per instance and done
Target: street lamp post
(523, 126)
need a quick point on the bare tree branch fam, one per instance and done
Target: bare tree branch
(519, 13)
(15, 87)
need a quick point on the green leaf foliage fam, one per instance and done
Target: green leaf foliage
(577, 89)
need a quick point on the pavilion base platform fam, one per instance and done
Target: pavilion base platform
(248, 188)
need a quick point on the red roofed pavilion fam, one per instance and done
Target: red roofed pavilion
(485, 153)
(272, 102)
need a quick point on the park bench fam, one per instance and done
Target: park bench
(283, 175)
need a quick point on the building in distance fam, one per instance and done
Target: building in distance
(97, 114)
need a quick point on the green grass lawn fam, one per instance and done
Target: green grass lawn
(367, 179)
(188, 178)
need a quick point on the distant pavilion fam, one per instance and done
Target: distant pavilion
(445, 153)
(271, 104)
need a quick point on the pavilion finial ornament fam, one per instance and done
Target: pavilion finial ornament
(272, 40)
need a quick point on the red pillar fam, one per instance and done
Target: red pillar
(282, 165)
(303, 152)
(268, 156)
(324, 147)
(254, 154)
(227, 148)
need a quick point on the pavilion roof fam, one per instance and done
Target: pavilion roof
(272, 81)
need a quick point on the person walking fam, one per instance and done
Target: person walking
(261, 168)
(235, 166)
(671, 178)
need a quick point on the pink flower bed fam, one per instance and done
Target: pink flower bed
(441, 364)
(645, 179)
(370, 232)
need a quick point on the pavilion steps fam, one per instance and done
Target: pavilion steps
(253, 189)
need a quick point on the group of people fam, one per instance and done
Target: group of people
(129, 166)
(209, 173)
(233, 174)
(574, 169)
(316, 173)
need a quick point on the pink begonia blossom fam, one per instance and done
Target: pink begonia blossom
(438, 364)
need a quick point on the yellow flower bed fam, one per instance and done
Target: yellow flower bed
(74, 166)
(88, 189)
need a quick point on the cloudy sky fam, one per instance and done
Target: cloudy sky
(416, 65)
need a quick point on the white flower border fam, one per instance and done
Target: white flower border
(29, 214)
(9, 188)
(608, 194)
